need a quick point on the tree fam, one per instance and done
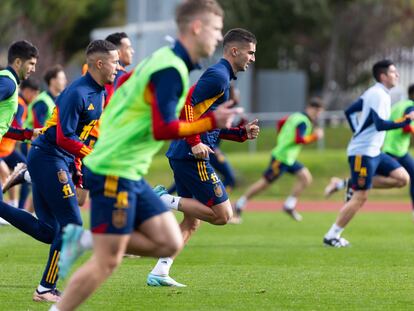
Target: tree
(58, 28)
(330, 39)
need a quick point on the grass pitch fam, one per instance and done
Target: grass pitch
(267, 263)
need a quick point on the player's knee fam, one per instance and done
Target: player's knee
(307, 180)
(171, 247)
(360, 197)
(404, 180)
(223, 219)
(110, 264)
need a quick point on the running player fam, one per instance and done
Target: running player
(364, 150)
(189, 158)
(125, 212)
(397, 142)
(9, 152)
(294, 131)
(22, 58)
(53, 157)
(39, 110)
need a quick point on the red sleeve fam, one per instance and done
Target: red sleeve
(238, 134)
(18, 134)
(73, 146)
(280, 123)
(299, 139)
(177, 128)
(408, 129)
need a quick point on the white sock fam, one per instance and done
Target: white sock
(241, 202)
(171, 201)
(86, 240)
(163, 266)
(334, 232)
(290, 202)
(27, 177)
(42, 289)
(54, 308)
(341, 184)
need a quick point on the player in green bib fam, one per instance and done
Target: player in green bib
(22, 57)
(294, 131)
(397, 142)
(126, 214)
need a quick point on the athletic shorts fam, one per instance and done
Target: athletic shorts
(120, 205)
(277, 169)
(197, 179)
(363, 168)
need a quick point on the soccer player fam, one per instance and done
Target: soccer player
(294, 131)
(364, 150)
(53, 159)
(22, 58)
(39, 110)
(125, 50)
(29, 89)
(189, 158)
(126, 214)
(397, 142)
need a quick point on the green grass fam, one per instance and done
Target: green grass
(268, 263)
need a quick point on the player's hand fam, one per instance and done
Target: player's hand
(36, 133)
(410, 115)
(224, 114)
(318, 132)
(77, 176)
(201, 151)
(253, 129)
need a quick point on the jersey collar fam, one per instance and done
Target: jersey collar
(182, 53)
(9, 68)
(226, 63)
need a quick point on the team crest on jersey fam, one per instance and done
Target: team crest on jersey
(62, 176)
(91, 107)
(218, 191)
(119, 218)
(361, 181)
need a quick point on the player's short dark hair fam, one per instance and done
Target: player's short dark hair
(100, 46)
(188, 9)
(116, 37)
(23, 50)
(238, 35)
(315, 102)
(410, 91)
(381, 67)
(51, 73)
(30, 83)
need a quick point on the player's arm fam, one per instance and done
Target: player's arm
(68, 113)
(301, 138)
(238, 134)
(187, 114)
(350, 113)
(163, 93)
(39, 112)
(16, 131)
(18, 118)
(7, 87)
(409, 128)
(386, 125)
